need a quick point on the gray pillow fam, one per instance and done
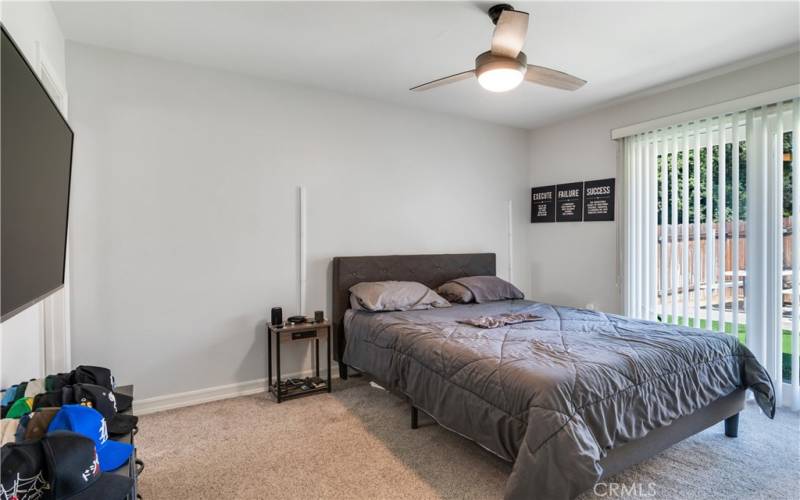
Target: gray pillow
(396, 296)
(456, 292)
(489, 288)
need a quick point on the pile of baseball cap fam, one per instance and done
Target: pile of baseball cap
(55, 437)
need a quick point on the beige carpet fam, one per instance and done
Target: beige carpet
(356, 443)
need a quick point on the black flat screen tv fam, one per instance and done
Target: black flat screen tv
(35, 168)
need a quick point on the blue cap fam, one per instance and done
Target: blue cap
(8, 396)
(90, 423)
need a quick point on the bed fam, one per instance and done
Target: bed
(569, 400)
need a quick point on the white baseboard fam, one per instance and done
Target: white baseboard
(209, 394)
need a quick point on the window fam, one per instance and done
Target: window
(711, 207)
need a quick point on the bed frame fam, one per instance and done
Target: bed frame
(434, 270)
(430, 270)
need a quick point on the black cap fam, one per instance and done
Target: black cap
(104, 401)
(124, 402)
(23, 472)
(61, 465)
(48, 399)
(75, 469)
(96, 375)
(57, 381)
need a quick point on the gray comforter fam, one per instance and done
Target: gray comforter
(551, 396)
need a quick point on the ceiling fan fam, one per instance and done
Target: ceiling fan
(505, 66)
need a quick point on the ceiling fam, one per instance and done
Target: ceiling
(380, 49)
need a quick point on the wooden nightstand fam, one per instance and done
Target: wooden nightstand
(283, 390)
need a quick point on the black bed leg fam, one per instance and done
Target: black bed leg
(414, 417)
(342, 371)
(732, 426)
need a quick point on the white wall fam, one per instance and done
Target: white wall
(576, 263)
(34, 27)
(184, 207)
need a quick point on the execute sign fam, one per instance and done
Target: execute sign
(543, 201)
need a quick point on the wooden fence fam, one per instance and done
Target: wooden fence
(700, 279)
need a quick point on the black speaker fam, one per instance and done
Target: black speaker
(277, 316)
(319, 316)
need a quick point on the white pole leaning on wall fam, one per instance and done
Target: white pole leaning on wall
(301, 245)
(510, 241)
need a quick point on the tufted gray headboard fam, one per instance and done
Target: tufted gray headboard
(431, 270)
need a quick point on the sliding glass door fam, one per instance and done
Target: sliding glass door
(711, 210)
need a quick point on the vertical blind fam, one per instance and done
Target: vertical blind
(710, 233)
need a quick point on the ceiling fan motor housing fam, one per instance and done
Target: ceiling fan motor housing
(496, 10)
(488, 61)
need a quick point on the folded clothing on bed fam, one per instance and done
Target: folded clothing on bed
(501, 320)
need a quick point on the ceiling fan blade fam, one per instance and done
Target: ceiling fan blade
(510, 32)
(444, 81)
(553, 78)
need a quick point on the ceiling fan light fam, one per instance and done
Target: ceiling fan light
(500, 79)
(500, 73)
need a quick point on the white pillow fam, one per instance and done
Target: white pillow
(395, 296)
